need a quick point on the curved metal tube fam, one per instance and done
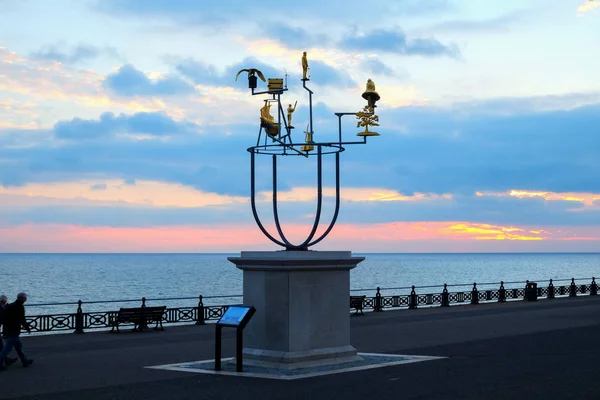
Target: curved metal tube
(319, 198)
(288, 245)
(337, 202)
(253, 204)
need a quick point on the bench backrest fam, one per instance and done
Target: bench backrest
(356, 300)
(143, 311)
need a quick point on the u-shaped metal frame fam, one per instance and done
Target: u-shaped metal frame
(283, 241)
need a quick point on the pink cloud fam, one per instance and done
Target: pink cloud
(390, 237)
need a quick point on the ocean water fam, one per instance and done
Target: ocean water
(60, 278)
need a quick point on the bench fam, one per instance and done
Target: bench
(356, 302)
(140, 317)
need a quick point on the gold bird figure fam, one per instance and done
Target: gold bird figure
(251, 72)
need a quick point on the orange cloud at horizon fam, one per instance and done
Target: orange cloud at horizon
(584, 198)
(226, 238)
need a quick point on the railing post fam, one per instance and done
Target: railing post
(412, 302)
(550, 290)
(501, 293)
(378, 307)
(200, 316)
(445, 298)
(572, 288)
(526, 291)
(79, 319)
(474, 294)
(143, 323)
(593, 287)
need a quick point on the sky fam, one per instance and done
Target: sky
(123, 129)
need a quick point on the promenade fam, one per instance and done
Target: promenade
(519, 350)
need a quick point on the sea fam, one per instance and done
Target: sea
(104, 281)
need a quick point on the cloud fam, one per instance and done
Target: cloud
(377, 67)
(438, 150)
(155, 124)
(192, 12)
(201, 73)
(324, 74)
(129, 81)
(98, 186)
(80, 53)
(206, 74)
(406, 237)
(395, 41)
(295, 37)
(588, 5)
(502, 23)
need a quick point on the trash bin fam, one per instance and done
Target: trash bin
(531, 291)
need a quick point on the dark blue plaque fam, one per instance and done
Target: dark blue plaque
(235, 316)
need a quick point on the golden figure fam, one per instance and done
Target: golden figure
(370, 94)
(304, 67)
(290, 110)
(370, 86)
(265, 113)
(252, 72)
(275, 84)
(367, 118)
(308, 138)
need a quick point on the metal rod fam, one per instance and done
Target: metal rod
(319, 197)
(269, 91)
(239, 352)
(288, 245)
(217, 348)
(253, 203)
(310, 93)
(337, 202)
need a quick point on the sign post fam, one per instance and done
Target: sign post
(235, 317)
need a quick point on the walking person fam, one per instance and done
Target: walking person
(14, 319)
(3, 306)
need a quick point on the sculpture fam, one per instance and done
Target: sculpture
(265, 113)
(270, 142)
(370, 86)
(304, 67)
(251, 73)
(290, 110)
(370, 94)
(367, 118)
(252, 80)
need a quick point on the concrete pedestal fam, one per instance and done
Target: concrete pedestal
(302, 301)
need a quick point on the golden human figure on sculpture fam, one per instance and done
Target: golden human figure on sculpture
(290, 111)
(304, 67)
(367, 118)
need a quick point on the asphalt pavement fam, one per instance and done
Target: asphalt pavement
(520, 350)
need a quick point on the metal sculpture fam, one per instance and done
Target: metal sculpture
(272, 141)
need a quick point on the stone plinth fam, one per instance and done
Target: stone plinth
(302, 307)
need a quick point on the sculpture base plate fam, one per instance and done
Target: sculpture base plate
(300, 359)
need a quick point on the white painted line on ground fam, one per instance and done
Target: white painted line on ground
(180, 367)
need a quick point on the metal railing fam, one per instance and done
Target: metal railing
(200, 314)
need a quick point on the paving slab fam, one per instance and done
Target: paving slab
(527, 350)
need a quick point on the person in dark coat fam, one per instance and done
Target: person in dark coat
(3, 306)
(14, 319)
